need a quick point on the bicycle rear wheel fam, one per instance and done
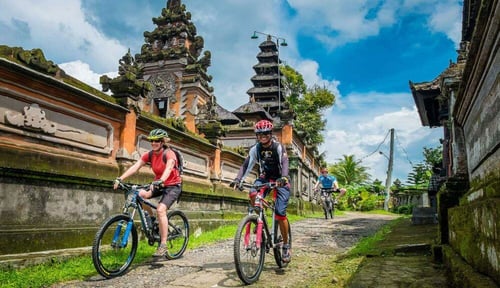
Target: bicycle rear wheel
(112, 250)
(178, 234)
(278, 239)
(248, 255)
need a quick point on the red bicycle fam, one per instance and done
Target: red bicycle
(254, 238)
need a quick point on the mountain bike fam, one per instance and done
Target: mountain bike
(254, 237)
(328, 202)
(115, 243)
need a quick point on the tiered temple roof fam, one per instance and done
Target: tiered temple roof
(266, 90)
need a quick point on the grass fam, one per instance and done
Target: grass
(43, 275)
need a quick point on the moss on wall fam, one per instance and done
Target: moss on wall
(470, 224)
(463, 275)
(56, 164)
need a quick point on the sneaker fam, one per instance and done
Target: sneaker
(285, 256)
(161, 251)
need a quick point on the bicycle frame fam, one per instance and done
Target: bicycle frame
(262, 226)
(134, 202)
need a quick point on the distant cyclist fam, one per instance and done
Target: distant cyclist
(328, 182)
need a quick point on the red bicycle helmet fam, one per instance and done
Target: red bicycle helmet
(263, 126)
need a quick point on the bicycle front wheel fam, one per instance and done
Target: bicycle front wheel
(278, 240)
(114, 246)
(332, 211)
(178, 234)
(248, 255)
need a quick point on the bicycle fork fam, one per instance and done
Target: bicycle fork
(122, 242)
(258, 232)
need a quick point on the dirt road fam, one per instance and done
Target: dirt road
(314, 241)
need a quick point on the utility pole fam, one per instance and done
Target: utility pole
(389, 173)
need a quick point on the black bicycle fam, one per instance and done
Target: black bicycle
(115, 243)
(254, 237)
(328, 202)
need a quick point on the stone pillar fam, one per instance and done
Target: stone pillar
(215, 170)
(286, 134)
(459, 153)
(127, 133)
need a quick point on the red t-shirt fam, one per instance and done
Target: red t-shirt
(158, 166)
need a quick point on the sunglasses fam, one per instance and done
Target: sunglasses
(155, 141)
(263, 133)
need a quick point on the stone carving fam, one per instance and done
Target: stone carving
(163, 87)
(32, 118)
(55, 124)
(194, 110)
(128, 82)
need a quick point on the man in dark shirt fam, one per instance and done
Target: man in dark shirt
(272, 159)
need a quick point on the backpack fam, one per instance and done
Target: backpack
(276, 157)
(178, 154)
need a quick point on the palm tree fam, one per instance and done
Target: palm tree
(350, 172)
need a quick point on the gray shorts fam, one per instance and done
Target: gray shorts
(169, 194)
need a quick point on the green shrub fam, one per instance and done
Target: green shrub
(403, 209)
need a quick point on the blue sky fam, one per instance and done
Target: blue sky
(364, 51)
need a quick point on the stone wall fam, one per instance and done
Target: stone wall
(470, 204)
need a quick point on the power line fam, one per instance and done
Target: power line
(404, 150)
(377, 149)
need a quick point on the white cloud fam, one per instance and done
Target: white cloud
(337, 22)
(446, 18)
(84, 73)
(62, 29)
(364, 134)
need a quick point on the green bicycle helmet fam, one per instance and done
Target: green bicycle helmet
(157, 134)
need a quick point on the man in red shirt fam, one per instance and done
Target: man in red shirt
(167, 181)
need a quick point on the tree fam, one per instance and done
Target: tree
(349, 172)
(307, 103)
(397, 184)
(433, 156)
(418, 176)
(377, 187)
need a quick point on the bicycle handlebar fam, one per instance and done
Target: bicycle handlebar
(270, 185)
(128, 186)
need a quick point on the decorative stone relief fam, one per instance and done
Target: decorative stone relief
(55, 124)
(163, 86)
(32, 118)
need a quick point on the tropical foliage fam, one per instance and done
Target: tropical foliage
(348, 171)
(421, 172)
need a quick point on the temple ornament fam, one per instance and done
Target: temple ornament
(32, 118)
